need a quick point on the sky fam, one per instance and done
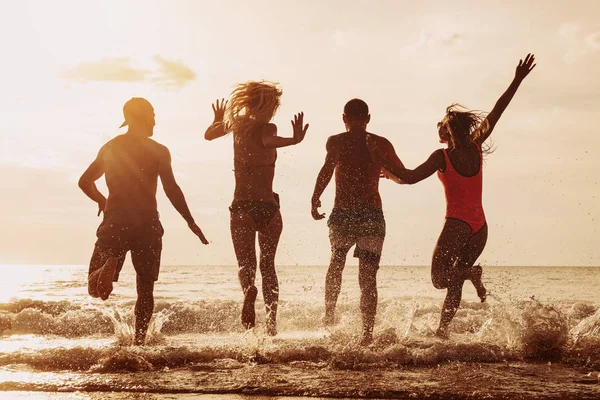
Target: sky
(69, 66)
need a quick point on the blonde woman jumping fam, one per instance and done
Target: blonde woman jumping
(255, 207)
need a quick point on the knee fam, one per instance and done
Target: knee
(246, 266)
(439, 282)
(338, 256)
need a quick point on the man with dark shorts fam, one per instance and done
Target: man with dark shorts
(357, 217)
(132, 163)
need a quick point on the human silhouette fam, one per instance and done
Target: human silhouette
(132, 163)
(357, 217)
(255, 207)
(460, 169)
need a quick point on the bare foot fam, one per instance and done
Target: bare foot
(272, 320)
(476, 272)
(367, 338)
(105, 278)
(139, 339)
(271, 329)
(329, 319)
(442, 333)
(93, 283)
(248, 313)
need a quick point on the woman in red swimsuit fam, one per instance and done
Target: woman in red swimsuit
(459, 168)
(255, 207)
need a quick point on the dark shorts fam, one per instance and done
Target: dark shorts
(138, 231)
(364, 228)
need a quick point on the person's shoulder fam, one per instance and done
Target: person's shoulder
(377, 137)
(381, 140)
(116, 141)
(156, 148)
(334, 140)
(268, 129)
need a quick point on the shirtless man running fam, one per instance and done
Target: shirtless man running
(357, 217)
(132, 163)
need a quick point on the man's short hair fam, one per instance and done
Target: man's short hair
(356, 109)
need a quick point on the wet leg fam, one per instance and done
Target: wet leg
(333, 283)
(444, 275)
(144, 306)
(469, 255)
(367, 280)
(268, 239)
(451, 304)
(103, 267)
(106, 275)
(243, 235)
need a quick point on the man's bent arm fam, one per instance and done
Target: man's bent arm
(172, 189)
(87, 182)
(390, 154)
(326, 171)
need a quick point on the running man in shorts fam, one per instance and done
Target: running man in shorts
(357, 217)
(132, 163)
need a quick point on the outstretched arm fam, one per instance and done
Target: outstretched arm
(435, 162)
(389, 153)
(87, 182)
(324, 178)
(523, 69)
(218, 128)
(271, 141)
(175, 195)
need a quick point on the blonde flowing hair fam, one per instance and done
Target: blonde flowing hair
(252, 103)
(468, 125)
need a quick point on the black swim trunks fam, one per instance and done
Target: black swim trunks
(261, 212)
(363, 227)
(138, 231)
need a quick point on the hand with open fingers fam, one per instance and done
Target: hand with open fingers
(525, 67)
(198, 232)
(219, 109)
(298, 129)
(316, 203)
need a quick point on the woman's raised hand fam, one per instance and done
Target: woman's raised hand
(299, 130)
(219, 109)
(525, 67)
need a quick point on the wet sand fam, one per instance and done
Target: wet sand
(519, 380)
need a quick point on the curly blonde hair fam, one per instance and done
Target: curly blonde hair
(252, 103)
(467, 125)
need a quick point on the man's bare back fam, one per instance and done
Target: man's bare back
(132, 166)
(356, 175)
(357, 218)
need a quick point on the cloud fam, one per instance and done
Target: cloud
(168, 73)
(173, 73)
(105, 70)
(430, 39)
(578, 45)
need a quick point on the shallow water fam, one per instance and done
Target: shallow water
(538, 336)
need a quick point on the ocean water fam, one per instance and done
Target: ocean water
(537, 336)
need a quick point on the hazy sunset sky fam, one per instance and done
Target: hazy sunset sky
(68, 67)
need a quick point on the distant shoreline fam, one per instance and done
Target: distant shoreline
(299, 265)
